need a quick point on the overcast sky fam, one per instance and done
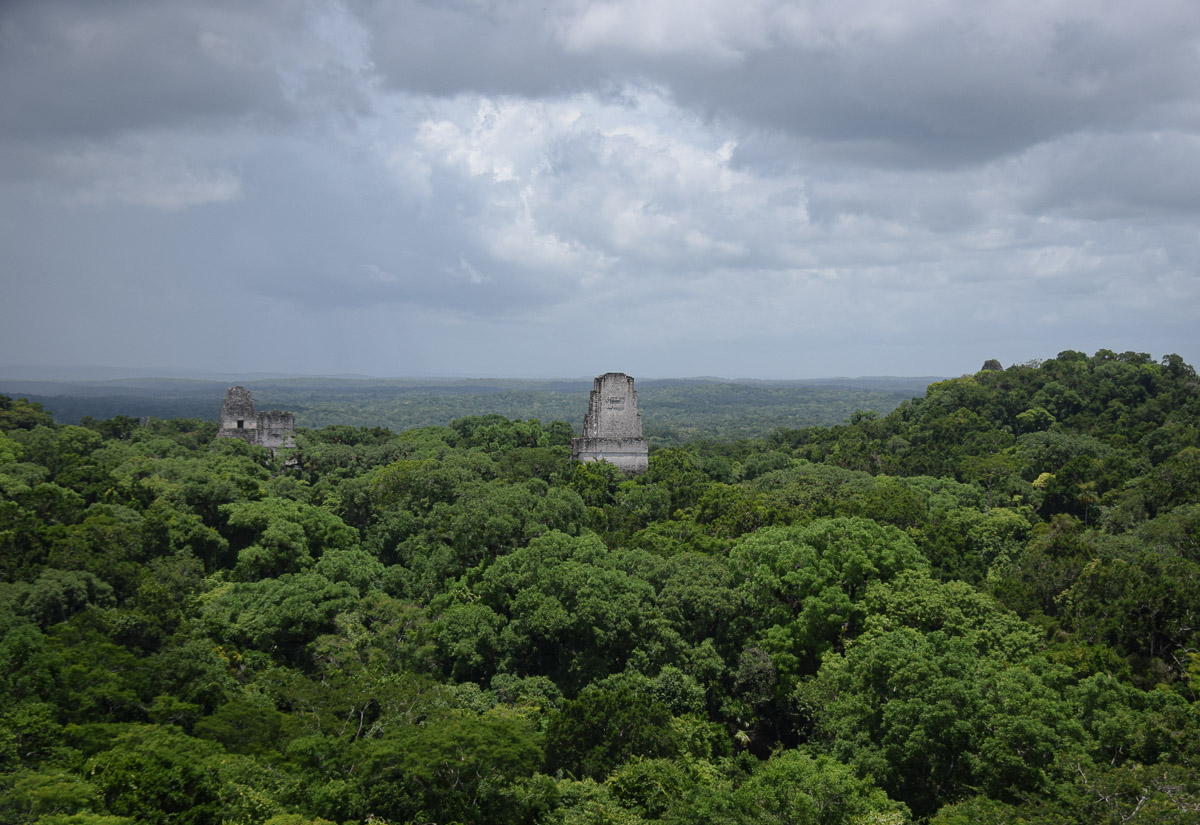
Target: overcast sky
(756, 188)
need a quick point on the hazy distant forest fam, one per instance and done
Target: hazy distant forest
(674, 410)
(977, 605)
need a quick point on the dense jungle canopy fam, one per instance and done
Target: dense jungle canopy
(981, 607)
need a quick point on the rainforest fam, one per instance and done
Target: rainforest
(980, 607)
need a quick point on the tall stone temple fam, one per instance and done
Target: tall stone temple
(612, 427)
(239, 420)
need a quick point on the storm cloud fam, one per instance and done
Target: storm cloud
(763, 188)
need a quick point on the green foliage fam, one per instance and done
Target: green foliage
(570, 615)
(803, 584)
(277, 536)
(977, 607)
(458, 767)
(278, 615)
(56, 595)
(797, 787)
(944, 693)
(157, 775)
(604, 728)
(22, 414)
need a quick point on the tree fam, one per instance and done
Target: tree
(802, 583)
(56, 595)
(604, 728)
(457, 767)
(796, 787)
(276, 615)
(23, 414)
(992, 471)
(942, 695)
(277, 535)
(157, 776)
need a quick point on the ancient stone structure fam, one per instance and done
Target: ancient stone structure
(239, 420)
(612, 427)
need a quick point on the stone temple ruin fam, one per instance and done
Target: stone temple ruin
(612, 427)
(239, 420)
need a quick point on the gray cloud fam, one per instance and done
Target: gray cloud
(943, 84)
(1130, 175)
(667, 187)
(450, 48)
(90, 70)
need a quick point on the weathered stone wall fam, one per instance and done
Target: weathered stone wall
(612, 426)
(631, 455)
(239, 420)
(612, 408)
(237, 415)
(250, 436)
(276, 428)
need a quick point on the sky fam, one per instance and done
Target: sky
(667, 188)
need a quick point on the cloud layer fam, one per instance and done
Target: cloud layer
(764, 188)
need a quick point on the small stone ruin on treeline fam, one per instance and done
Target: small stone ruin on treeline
(239, 420)
(612, 427)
